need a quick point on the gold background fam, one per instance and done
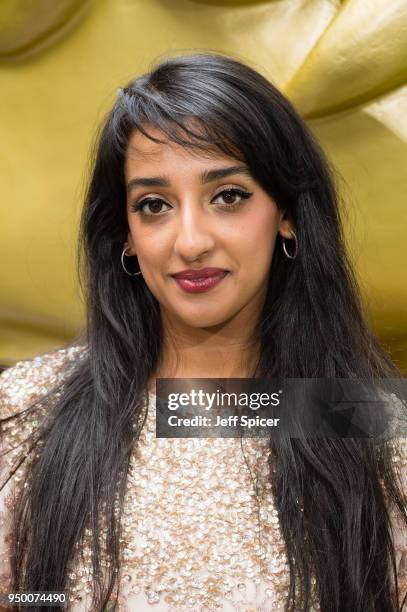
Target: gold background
(343, 64)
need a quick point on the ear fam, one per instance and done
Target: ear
(285, 225)
(130, 242)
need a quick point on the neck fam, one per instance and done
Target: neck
(223, 351)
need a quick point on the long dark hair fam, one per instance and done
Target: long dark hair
(312, 325)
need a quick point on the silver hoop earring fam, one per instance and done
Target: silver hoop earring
(124, 253)
(296, 247)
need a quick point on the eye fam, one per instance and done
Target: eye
(229, 196)
(152, 207)
(154, 203)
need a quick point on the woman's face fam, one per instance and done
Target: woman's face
(184, 216)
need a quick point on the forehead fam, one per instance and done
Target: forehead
(142, 151)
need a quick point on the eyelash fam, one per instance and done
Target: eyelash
(245, 195)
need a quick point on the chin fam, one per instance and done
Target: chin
(205, 319)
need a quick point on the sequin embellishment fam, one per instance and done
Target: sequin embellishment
(200, 529)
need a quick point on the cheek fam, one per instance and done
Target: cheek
(152, 247)
(256, 245)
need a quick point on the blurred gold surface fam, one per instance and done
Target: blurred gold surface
(30, 26)
(343, 64)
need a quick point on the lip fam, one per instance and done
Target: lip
(202, 283)
(199, 274)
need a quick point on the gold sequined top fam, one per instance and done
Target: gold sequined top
(201, 531)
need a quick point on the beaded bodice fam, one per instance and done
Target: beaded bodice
(200, 529)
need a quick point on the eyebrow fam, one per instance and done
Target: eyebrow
(207, 176)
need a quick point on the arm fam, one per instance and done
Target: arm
(6, 501)
(20, 385)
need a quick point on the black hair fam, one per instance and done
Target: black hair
(312, 325)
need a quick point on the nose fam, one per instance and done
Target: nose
(194, 232)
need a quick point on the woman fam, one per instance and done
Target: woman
(202, 163)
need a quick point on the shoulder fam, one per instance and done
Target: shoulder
(30, 379)
(21, 386)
